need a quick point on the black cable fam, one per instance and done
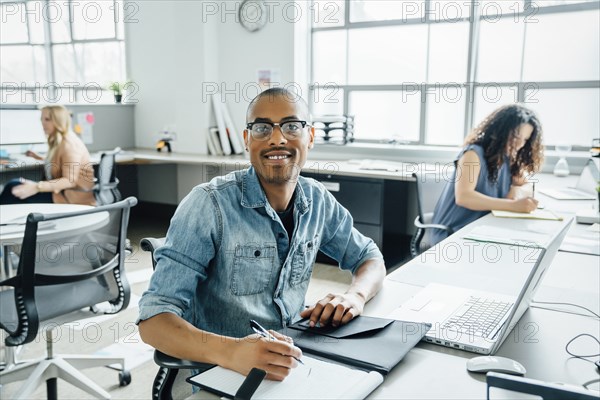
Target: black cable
(582, 356)
(562, 311)
(566, 304)
(585, 385)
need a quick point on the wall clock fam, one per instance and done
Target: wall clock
(253, 14)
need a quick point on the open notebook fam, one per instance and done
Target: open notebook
(536, 214)
(315, 379)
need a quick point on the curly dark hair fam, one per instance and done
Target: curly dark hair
(497, 134)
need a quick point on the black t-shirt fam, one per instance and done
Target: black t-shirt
(287, 218)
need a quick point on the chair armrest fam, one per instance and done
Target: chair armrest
(166, 361)
(420, 225)
(150, 244)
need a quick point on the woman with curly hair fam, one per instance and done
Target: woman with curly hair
(497, 157)
(69, 172)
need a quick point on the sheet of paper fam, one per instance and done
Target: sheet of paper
(85, 126)
(493, 234)
(315, 380)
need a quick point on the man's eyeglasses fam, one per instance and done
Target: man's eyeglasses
(291, 130)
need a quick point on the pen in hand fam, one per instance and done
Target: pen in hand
(256, 327)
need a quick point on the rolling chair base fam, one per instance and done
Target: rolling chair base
(63, 367)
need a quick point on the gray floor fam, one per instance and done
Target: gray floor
(325, 279)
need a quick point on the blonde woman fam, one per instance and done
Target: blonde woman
(67, 168)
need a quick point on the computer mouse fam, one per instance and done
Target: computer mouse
(496, 364)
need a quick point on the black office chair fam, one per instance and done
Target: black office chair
(429, 188)
(106, 184)
(168, 367)
(68, 262)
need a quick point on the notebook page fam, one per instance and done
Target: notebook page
(316, 379)
(536, 214)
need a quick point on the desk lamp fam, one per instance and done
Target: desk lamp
(165, 139)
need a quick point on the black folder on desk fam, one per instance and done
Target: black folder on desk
(372, 344)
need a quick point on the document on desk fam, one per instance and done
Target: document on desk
(586, 242)
(315, 379)
(377, 165)
(537, 214)
(521, 237)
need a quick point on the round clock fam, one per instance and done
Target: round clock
(253, 14)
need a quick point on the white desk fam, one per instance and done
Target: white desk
(580, 238)
(538, 340)
(14, 215)
(13, 218)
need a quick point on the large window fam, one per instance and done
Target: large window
(61, 51)
(427, 71)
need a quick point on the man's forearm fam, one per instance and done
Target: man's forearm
(368, 279)
(176, 337)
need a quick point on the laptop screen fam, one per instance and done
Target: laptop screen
(589, 178)
(531, 284)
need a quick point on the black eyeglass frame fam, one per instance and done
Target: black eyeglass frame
(249, 126)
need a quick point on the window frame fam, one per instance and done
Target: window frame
(52, 88)
(529, 9)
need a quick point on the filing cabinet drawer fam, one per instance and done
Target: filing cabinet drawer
(362, 198)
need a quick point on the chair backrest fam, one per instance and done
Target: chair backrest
(68, 261)
(106, 189)
(430, 186)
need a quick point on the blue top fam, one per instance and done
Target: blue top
(227, 257)
(448, 213)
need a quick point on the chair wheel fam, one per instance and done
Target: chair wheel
(124, 378)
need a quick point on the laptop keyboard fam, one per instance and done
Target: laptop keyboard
(478, 316)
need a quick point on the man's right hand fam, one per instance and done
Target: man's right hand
(276, 356)
(525, 205)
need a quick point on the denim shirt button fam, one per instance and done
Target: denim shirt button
(281, 235)
(257, 253)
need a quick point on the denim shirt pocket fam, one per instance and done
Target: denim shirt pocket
(253, 268)
(304, 260)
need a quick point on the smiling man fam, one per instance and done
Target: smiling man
(243, 246)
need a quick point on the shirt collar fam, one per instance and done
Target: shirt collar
(253, 195)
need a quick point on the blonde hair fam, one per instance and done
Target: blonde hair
(61, 118)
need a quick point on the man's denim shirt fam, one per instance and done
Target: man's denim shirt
(227, 258)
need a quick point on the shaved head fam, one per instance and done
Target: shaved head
(279, 92)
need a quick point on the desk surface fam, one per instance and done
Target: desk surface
(362, 168)
(12, 218)
(538, 341)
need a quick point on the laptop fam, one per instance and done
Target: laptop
(473, 320)
(585, 189)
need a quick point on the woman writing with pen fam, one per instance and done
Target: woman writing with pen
(68, 170)
(491, 170)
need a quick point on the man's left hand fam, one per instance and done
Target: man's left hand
(335, 309)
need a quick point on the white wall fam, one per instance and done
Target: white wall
(179, 51)
(243, 53)
(167, 57)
